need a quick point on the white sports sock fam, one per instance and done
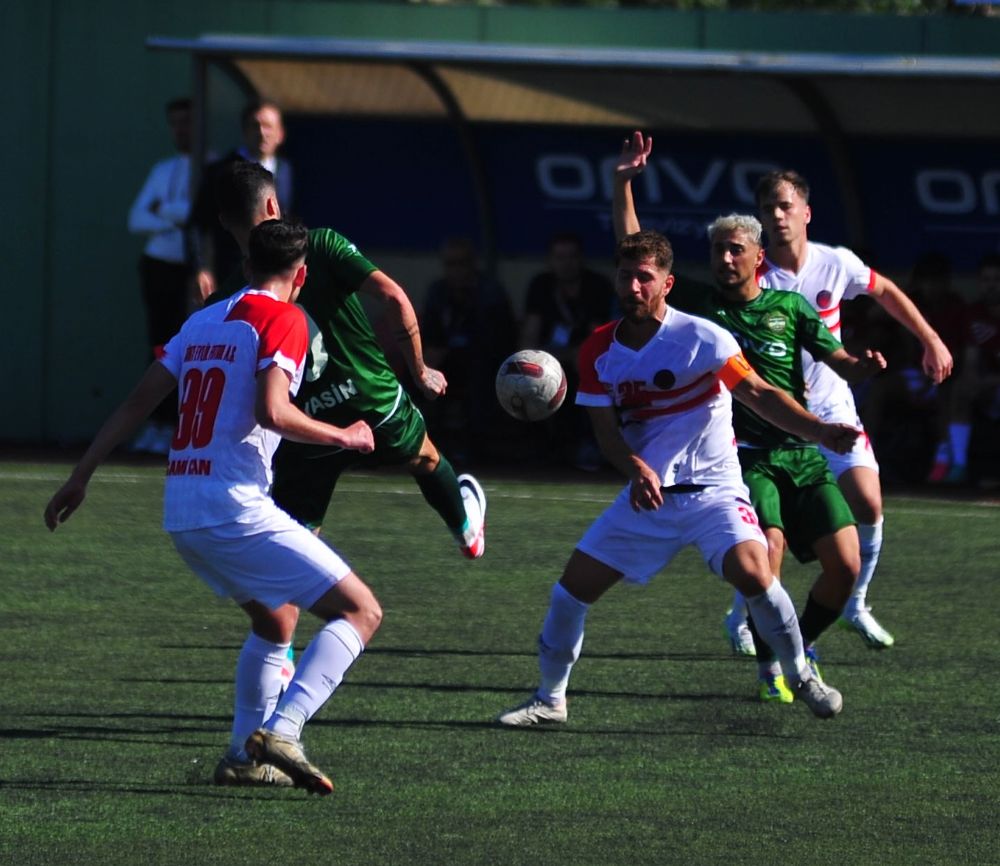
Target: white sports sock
(870, 536)
(258, 685)
(774, 617)
(958, 440)
(559, 643)
(321, 669)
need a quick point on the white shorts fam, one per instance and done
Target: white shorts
(639, 544)
(273, 561)
(861, 455)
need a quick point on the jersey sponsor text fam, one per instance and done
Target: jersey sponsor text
(216, 352)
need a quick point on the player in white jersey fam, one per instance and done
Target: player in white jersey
(657, 384)
(235, 366)
(826, 276)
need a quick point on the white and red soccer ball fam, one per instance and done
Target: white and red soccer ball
(531, 385)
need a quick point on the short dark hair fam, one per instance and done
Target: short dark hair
(646, 244)
(255, 105)
(275, 247)
(239, 186)
(769, 182)
(181, 103)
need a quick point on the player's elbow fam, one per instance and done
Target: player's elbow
(270, 415)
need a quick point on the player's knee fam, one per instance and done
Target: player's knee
(367, 619)
(867, 509)
(844, 572)
(277, 626)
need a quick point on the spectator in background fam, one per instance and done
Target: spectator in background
(213, 254)
(904, 409)
(977, 387)
(564, 304)
(159, 212)
(468, 329)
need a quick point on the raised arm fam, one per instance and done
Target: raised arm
(635, 153)
(937, 360)
(154, 386)
(402, 320)
(774, 405)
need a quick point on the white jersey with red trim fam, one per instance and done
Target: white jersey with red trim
(672, 396)
(219, 469)
(829, 276)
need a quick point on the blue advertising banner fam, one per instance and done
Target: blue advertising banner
(407, 186)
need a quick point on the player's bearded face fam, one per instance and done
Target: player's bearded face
(784, 214)
(642, 289)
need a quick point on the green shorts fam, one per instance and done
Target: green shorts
(306, 475)
(793, 490)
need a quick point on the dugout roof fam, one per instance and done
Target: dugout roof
(833, 96)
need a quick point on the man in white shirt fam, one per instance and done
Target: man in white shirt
(657, 385)
(159, 212)
(236, 366)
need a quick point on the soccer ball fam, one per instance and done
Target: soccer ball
(531, 385)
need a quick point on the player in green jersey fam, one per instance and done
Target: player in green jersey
(794, 493)
(346, 376)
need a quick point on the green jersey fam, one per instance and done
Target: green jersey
(772, 330)
(347, 376)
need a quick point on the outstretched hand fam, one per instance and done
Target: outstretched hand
(635, 153)
(872, 362)
(937, 361)
(66, 500)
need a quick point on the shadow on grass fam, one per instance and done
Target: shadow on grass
(418, 652)
(193, 787)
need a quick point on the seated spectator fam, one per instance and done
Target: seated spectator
(564, 304)
(468, 330)
(976, 390)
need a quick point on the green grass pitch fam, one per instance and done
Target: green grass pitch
(116, 694)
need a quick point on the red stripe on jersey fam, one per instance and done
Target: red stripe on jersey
(281, 327)
(833, 311)
(762, 269)
(590, 350)
(646, 397)
(872, 279)
(643, 414)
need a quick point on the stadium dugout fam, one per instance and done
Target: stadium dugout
(913, 109)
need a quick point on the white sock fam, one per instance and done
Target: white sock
(870, 536)
(958, 440)
(774, 617)
(321, 669)
(559, 643)
(258, 684)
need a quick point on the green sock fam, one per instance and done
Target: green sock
(441, 490)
